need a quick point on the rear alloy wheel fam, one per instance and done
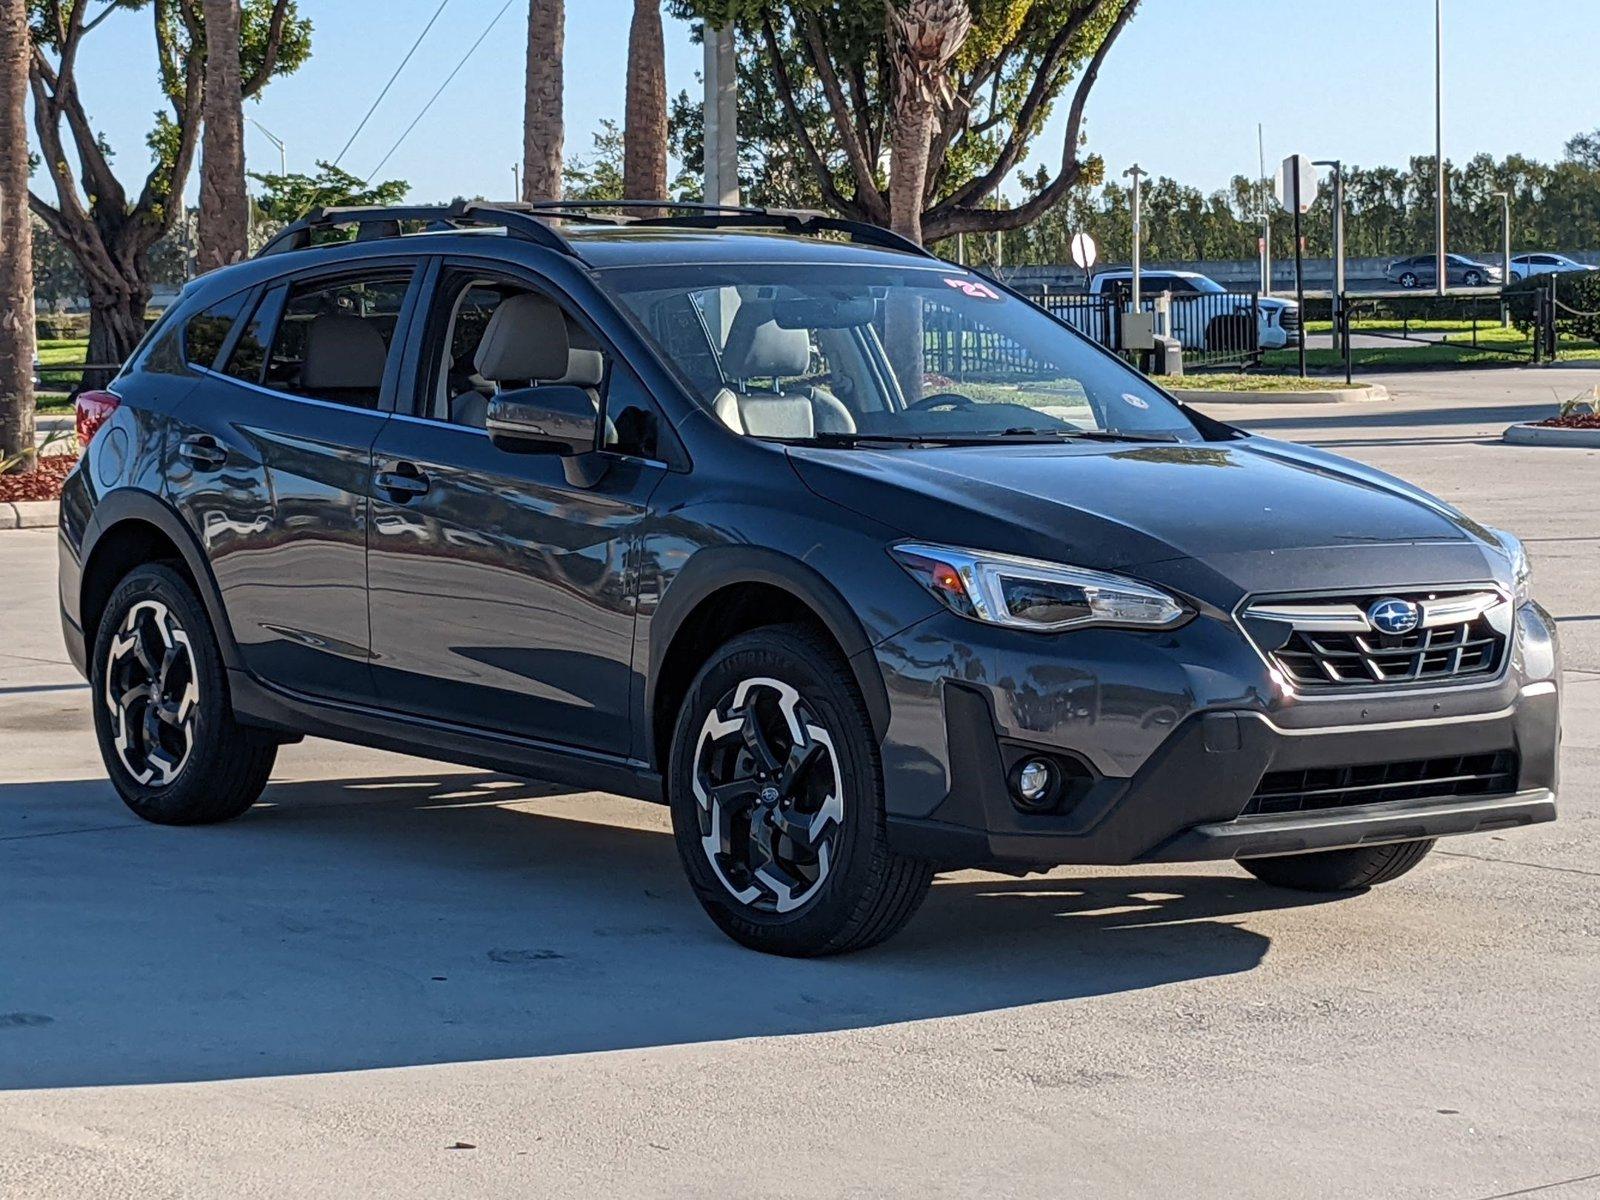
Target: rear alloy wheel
(1472, 279)
(162, 717)
(1339, 870)
(1408, 280)
(777, 801)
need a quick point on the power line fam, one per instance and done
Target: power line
(392, 78)
(470, 51)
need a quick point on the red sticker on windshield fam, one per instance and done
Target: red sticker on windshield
(971, 287)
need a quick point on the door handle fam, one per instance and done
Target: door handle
(403, 483)
(202, 451)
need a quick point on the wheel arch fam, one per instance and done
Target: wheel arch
(131, 526)
(725, 591)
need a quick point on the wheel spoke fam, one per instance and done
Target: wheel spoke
(755, 739)
(801, 759)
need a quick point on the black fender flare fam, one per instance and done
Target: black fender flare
(716, 567)
(123, 505)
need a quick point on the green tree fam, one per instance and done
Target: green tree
(817, 88)
(109, 232)
(286, 198)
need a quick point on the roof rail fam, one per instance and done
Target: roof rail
(383, 221)
(531, 221)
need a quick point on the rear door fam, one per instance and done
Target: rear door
(502, 589)
(271, 467)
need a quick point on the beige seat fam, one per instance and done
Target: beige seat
(760, 350)
(345, 357)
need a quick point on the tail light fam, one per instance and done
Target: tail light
(91, 410)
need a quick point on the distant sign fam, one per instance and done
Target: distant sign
(1084, 251)
(1295, 166)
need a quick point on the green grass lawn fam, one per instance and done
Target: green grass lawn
(59, 352)
(1205, 381)
(1496, 347)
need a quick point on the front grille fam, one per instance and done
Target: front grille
(1378, 783)
(1331, 644)
(1290, 320)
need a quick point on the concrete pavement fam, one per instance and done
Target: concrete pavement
(400, 979)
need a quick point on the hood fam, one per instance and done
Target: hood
(1116, 506)
(1274, 302)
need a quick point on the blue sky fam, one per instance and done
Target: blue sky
(1180, 93)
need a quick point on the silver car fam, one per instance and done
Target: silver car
(1421, 270)
(1523, 265)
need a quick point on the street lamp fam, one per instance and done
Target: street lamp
(283, 150)
(1438, 145)
(1505, 253)
(1135, 172)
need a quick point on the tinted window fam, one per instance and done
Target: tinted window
(248, 359)
(332, 342)
(204, 333)
(631, 421)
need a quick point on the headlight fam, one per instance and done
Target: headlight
(1026, 593)
(1521, 569)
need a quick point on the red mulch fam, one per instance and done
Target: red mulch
(1575, 421)
(43, 483)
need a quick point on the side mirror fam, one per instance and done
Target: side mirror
(554, 419)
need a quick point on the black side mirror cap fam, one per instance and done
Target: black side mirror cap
(556, 418)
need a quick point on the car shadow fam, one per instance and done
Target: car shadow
(387, 922)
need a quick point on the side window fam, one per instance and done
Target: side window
(332, 342)
(248, 359)
(205, 332)
(632, 426)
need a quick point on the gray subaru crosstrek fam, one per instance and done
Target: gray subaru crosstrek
(865, 566)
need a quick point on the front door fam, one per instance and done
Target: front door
(271, 466)
(502, 594)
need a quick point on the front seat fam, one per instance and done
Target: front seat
(345, 357)
(759, 349)
(525, 341)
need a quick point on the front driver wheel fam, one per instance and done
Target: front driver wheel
(1339, 870)
(777, 801)
(161, 712)
(1408, 280)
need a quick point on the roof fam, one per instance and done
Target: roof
(606, 246)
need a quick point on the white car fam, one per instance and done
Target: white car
(1523, 265)
(1197, 301)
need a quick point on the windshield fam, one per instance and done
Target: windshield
(846, 354)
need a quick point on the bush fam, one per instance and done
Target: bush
(1577, 290)
(50, 327)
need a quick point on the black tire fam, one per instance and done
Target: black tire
(1339, 870)
(1472, 279)
(1408, 280)
(864, 892)
(223, 766)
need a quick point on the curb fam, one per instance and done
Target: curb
(1551, 435)
(29, 514)
(1342, 395)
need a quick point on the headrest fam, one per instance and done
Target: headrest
(526, 338)
(585, 368)
(342, 351)
(758, 349)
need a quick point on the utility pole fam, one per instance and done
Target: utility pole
(1266, 212)
(1135, 172)
(1438, 145)
(721, 116)
(1338, 242)
(516, 181)
(1505, 253)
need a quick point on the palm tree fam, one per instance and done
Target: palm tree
(224, 205)
(542, 129)
(924, 37)
(16, 242)
(644, 138)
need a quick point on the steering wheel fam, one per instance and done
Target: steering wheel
(942, 400)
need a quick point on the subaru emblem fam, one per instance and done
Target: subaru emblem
(1391, 615)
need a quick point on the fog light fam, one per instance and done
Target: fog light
(1034, 783)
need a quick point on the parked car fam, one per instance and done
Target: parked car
(1524, 265)
(863, 565)
(1202, 309)
(1422, 270)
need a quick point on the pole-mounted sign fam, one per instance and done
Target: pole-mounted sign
(1084, 251)
(1296, 189)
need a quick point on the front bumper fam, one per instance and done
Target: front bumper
(1171, 769)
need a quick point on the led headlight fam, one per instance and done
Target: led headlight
(1026, 593)
(1521, 569)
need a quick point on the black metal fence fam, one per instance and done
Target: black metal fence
(1215, 329)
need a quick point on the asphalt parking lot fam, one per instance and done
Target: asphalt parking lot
(395, 978)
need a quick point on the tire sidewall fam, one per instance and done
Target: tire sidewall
(794, 660)
(172, 803)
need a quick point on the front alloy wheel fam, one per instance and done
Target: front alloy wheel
(766, 780)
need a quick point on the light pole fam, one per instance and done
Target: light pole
(721, 116)
(283, 150)
(1135, 172)
(1441, 273)
(1266, 212)
(1505, 253)
(1338, 241)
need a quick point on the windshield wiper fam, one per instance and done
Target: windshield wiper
(839, 438)
(1091, 435)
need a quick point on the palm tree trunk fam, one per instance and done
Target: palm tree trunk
(644, 141)
(16, 239)
(908, 165)
(224, 204)
(542, 121)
